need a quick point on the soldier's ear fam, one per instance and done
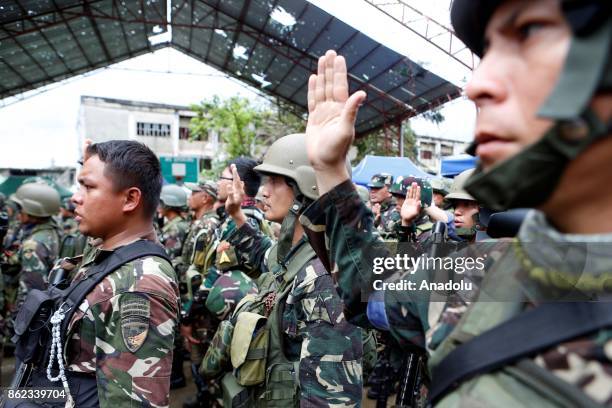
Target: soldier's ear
(132, 198)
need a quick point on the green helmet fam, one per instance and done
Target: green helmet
(587, 70)
(457, 191)
(37, 199)
(287, 157)
(173, 196)
(403, 183)
(439, 186)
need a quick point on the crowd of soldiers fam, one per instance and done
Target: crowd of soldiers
(266, 279)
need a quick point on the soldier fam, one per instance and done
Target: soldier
(173, 201)
(39, 248)
(440, 191)
(296, 294)
(542, 127)
(417, 228)
(465, 209)
(381, 202)
(118, 339)
(205, 221)
(67, 222)
(72, 241)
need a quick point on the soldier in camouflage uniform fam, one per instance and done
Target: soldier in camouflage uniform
(122, 334)
(294, 284)
(173, 200)
(40, 240)
(205, 221)
(382, 204)
(542, 130)
(72, 241)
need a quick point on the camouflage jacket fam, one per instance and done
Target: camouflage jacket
(123, 332)
(173, 236)
(36, 256)
(317, 334)
(340, 219)
(69, 225)
(232, 258)
(387, 223)
(200, 229)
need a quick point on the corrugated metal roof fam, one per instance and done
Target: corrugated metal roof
(272, 45)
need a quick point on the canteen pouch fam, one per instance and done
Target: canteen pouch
(217, 356)
(249, 349)
(32, 325)
(234, 395)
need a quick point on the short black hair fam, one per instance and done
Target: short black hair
(131, 164)
(252, 179)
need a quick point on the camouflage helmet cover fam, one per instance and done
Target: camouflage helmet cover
(37, 199)
(173, 196)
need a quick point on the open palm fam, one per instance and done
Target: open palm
(331, 120)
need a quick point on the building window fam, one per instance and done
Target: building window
(152, 129)
(426, 154)
(184, 133)
(446, 150)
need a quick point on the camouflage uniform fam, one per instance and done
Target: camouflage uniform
(316, 332)
(340, 219)
(129, 370)
(173, 236)
(36, 257)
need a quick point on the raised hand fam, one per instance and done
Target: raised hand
(412, 205)
(235, 196)
(331, 120)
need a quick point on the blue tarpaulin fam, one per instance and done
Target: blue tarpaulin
(453, 165)
(397, 166)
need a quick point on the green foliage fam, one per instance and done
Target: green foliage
(377, 144)
(243, 125)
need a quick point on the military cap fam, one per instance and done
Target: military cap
(209, 187)
(173, 196)
(403, 183)
(380, 180)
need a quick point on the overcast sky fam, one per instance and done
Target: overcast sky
(40, 131)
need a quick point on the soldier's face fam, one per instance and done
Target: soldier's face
(464, 211)
(99, 208)
(278, 197)
(438, 199)
(378, 195)
(527, 42)
(399, 201)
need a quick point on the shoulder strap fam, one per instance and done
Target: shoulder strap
(547, 325)
(75, 294)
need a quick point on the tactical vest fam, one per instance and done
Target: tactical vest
(34, 331)
(517, 380)
(280, 383)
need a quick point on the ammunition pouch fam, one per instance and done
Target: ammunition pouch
(234, 395)
(249, 349)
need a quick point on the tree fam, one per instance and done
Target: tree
(377, 144)
(243, 125)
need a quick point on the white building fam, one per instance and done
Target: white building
(431, 150)
(164, 128)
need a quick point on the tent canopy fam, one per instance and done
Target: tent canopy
(397, 166)
(453, 165)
